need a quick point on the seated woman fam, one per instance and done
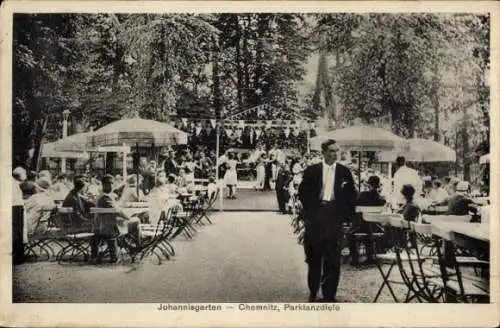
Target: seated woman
(94, 188)
(129, 193)
(189, 177)
(161, 190)
(171, 186)
(182, 181)
(211, 188)
(438, 194)
(158, 198)
(409, 210)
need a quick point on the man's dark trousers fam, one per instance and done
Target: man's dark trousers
(322, 241)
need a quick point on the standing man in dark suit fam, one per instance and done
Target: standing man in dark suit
(328, 197)
(282, 181)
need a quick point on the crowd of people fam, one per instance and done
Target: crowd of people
(175, 172)
(36, 195)
(407, 186)
(244, 136)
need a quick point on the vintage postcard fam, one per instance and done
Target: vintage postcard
(249, 163)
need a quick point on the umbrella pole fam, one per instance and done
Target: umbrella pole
(359, 171)
(217, 150)
(389, 173)
(124, 167)
(137, 172)
(155, 155)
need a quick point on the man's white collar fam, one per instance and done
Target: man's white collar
(332, 166)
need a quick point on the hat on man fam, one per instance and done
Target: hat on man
(45, 174)
(374, 181)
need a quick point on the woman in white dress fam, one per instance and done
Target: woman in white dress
(261, 173)
(230, 177)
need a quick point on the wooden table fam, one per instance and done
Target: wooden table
(476, 231)
(472, 236)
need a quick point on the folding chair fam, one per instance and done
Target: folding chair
(208, 207)
(373, 232)
(417, 272)
(183, 220)
(39, 243)
(458, 287)
(155, 239)
(464, 257)
(388, 258)
(77, 240)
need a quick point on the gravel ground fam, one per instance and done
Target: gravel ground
(243, 257)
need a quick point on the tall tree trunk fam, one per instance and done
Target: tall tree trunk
(465, 145)
(239, 72)
(40, 127)
(435, 102)
(217, 100)
(246, 60)
(321, 76)
(263, 21)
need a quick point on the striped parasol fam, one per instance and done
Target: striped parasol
(421, 151)
(73, 143)
(137, 132)
(359, 138)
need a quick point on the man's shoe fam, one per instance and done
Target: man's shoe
(312, 298)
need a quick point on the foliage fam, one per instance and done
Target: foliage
(426, 74)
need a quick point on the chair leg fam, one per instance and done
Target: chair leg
(386, 282)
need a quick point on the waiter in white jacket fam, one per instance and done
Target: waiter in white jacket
(405, 176)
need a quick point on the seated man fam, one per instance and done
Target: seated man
(108, 227)
(371, 197)
(80, 205)
(37, 209)
(460, 203)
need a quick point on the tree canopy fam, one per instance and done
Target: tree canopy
(425, 75)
